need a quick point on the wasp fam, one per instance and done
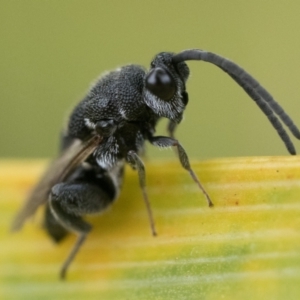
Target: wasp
(109, 128)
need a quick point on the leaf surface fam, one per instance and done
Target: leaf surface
(247, 246)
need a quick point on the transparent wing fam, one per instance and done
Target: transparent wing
(57, 172)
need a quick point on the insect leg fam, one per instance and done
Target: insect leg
(135, 161)
(171, 128)
(54, 228)
(68, 202)
(81, 238)
(164, 142)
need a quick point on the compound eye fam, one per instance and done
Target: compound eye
(160, 83)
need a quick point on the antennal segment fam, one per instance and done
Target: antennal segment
(259, 94)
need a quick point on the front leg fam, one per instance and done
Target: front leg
(171, 128)
(165, 142)
(173, 125)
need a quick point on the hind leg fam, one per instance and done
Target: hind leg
(54, 229)
(68, 202)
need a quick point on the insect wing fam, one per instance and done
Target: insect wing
(57, 172)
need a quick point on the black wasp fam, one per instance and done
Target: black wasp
(110, 126)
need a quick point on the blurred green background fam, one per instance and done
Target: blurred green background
(50, 51)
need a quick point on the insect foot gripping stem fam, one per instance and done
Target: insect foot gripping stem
(164, 142)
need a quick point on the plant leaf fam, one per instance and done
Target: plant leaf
(247, 246)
